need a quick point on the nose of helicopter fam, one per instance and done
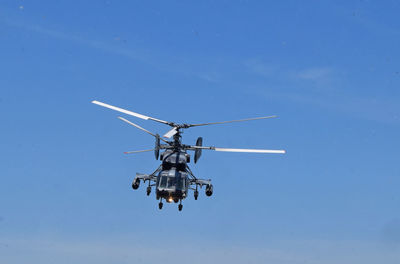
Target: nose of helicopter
(171, 194)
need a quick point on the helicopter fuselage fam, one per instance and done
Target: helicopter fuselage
(173, 181)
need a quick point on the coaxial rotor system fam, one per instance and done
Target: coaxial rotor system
(176, 131)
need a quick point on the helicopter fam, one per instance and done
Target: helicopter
(173, 178)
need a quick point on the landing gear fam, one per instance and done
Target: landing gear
(196, 194)
(180, 206)
(148, 191)
(209, 190)
(135, 184)
(160, 205)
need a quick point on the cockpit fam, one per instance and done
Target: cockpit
(172, 182)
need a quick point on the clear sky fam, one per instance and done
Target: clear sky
(329, 69)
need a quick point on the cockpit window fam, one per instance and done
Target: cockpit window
(171, 182)
(163, 182)
(181, 183)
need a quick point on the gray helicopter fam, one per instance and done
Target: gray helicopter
(173, 178)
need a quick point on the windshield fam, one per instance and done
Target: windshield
(163, 182)
(172, 181)
(181, 184)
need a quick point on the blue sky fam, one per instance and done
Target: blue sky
(329, 69)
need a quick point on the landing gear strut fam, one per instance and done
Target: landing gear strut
(180, 206)
(160, 205)
(148, 190)
(196, 194)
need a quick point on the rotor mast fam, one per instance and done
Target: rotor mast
(177, 144)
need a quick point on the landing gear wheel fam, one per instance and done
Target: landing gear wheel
(196, 194)
(160, 205)
(180, 206)
(148, 190)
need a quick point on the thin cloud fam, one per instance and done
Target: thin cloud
(260, 68)
(315, 74)
(320, 76)
(57, 34)
(119, 250)
(161, 62)
(372, 109)
(320, 87)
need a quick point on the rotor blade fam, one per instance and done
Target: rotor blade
(129, 112)
(141, 128)
(240, 150)
(170, 133)
(251, 150)
(232, 121)
(138, 151)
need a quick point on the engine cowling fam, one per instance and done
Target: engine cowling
(209, 190)
(135, 184)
